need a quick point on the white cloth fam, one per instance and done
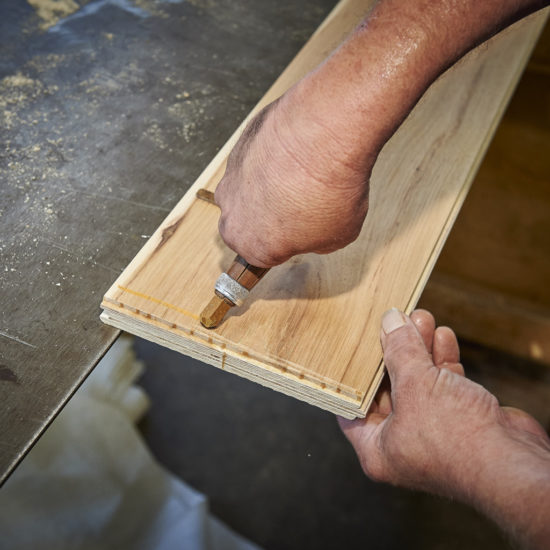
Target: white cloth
(90, 482)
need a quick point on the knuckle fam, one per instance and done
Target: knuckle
(457, 368)
(227, 234)
(401, 347)
(267, 256)
(222, 227)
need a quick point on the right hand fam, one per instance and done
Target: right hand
(430, 431)
(437, 431)
(292, 185)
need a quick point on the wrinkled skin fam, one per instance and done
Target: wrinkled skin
(297, 191)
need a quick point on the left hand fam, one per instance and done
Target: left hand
(292, 185)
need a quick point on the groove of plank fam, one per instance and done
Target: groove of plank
(311, 328)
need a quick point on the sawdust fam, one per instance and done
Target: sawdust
(156, 135)
(17, 80)
(16, 91)
(43, 63)
(189, 108)
(103, 82)
(51, 11)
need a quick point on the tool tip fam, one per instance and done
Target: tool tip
(212, 315)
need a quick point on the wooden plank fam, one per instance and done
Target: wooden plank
(311, 328)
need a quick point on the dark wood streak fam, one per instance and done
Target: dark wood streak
(167, 232)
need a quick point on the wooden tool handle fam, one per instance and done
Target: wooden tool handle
(246, 274)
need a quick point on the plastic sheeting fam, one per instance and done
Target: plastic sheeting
(90, 482)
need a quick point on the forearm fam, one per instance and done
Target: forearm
(297, 181)
(362, 93)
(508, 480)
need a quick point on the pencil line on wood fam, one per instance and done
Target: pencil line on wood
(160, 302)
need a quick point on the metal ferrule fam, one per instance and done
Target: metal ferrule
(231, 289)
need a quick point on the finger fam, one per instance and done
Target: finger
(405, 354)
(383, 397)
(252, 251)
(361, 432)
(425, 324)
(445, 347)
(364, 436)
(524, 421)
(446, 352)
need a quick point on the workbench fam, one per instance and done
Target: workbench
(108, 114)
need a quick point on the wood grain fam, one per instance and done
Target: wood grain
(311, 328)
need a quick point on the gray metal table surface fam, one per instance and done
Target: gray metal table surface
(109, 110)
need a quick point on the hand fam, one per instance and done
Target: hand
(426, 432)
(292, 186)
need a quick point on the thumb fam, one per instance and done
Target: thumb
(405, 354)
(360, 430)
(365, 436)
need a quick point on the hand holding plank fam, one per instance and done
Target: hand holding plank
(439, 432)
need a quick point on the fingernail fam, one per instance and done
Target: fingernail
(392, 320)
